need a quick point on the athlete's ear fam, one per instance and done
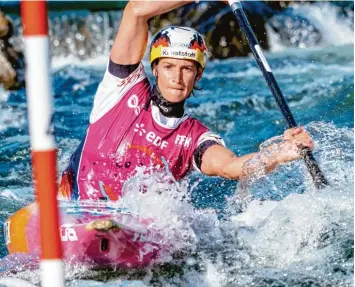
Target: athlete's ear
(199, 74)
(155, 72)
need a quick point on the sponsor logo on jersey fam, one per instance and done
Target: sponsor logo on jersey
(140, 129)
(133, 103)
(150, 136)
(183, 141)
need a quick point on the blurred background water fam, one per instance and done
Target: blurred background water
(286, 233)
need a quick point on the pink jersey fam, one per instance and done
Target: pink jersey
(123, 136)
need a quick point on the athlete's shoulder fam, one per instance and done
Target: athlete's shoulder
(120, 70)
(118, 81)
(125, 75)
(195, 123)
(205, 133)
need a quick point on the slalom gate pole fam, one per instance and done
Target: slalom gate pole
(318, 178)
(44, 160)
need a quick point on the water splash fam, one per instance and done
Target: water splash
(167, 203)
(306, 25)
(80, 34)
(226, 251)
(334, 154)
(309, 233)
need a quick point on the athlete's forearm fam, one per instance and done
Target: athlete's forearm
(233, 168)
(220, 161)
(258, 163)
(261, 163)
(267, 159)
(131, 39)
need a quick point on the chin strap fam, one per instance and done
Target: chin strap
(168, 109)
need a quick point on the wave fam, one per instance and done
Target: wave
(301, 236)
(334, 28)
(291, 69)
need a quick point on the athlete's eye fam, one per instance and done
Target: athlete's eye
(168, 67)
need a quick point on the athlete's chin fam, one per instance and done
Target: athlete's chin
(176, 95)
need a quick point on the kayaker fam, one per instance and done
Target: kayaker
(136, 126)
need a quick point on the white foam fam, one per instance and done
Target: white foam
(23, 194)
(67, 147)
(288, 232)
(290, 69)
(11, 118)
(213, 276)
(166, 202)
(9, 194)
(14, 282)
(98, 62)
(4, 95)
(274, 40)
(335, 31)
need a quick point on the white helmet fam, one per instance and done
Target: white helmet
(179, 43)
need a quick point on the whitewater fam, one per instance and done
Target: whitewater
(277, 230)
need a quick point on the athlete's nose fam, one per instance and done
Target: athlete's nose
(177, 75)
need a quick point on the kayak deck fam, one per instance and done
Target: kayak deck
(98, 236)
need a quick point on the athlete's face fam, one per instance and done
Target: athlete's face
(176, 78)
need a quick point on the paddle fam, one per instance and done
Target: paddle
(317, 175)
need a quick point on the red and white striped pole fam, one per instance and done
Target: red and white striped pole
(44, 161)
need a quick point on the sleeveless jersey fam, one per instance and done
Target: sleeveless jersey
(124, 136)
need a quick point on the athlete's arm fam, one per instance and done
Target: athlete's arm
(131, 40)
(220, 161)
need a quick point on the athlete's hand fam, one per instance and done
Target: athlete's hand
(299, 137)
(151, 8)
(295, 141)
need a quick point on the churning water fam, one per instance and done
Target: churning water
(271, 231)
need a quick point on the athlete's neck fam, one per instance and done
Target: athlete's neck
(168, 109)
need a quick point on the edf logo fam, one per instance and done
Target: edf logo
(182, 140)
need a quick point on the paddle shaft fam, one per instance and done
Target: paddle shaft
(317, 175)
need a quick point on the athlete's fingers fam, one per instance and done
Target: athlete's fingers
(290, 133)
(297, 131)
(304, 143)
